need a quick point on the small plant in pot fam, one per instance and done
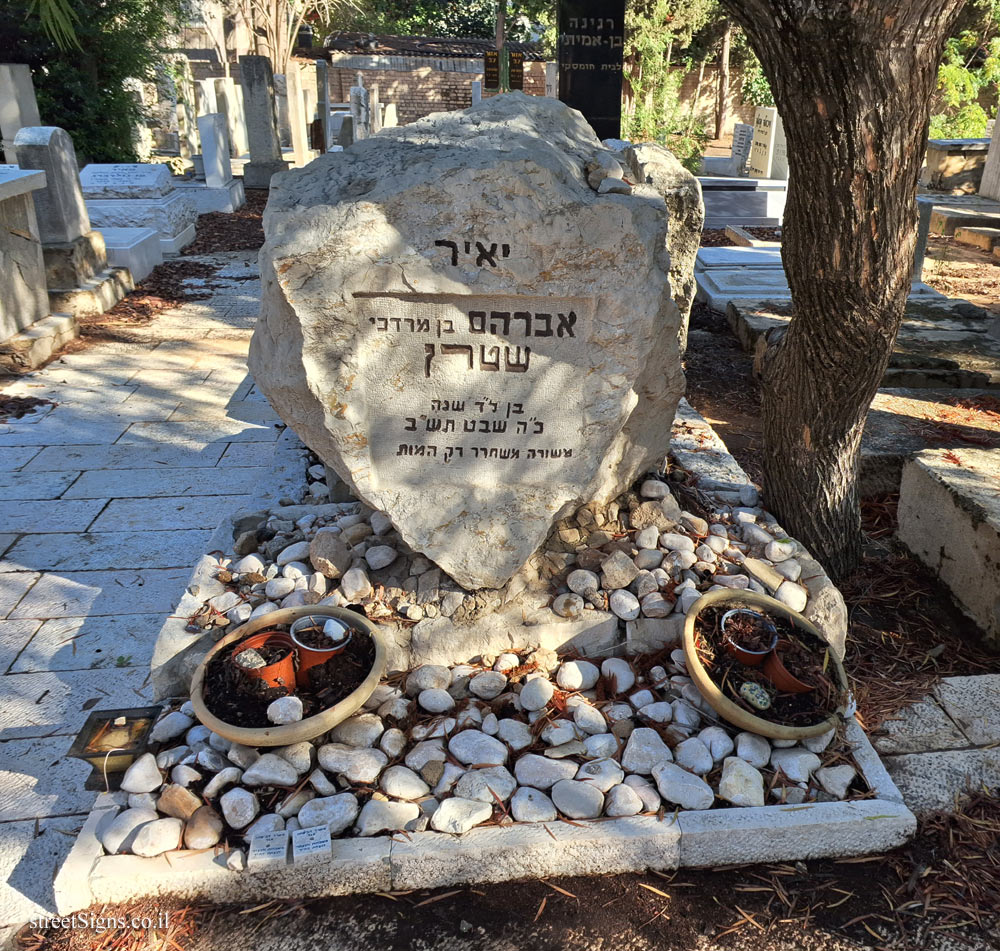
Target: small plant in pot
(317, 640)
(233, 685)
(748, 635)
(762, 666)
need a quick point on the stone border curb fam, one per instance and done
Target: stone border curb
(732, 836)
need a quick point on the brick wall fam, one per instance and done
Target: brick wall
(421, 91)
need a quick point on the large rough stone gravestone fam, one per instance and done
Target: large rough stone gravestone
(654, 165)
(475, 340)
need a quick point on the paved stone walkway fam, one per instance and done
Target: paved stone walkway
(108, 500)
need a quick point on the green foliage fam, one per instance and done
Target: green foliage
(969, 75)
(755, 90)
(525, 20)
(59, 21)
(84, 93)
(656, 30)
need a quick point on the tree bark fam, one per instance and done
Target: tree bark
(722, 100)
(852, 83)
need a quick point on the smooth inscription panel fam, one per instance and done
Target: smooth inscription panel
(122, 180)
(474, 391)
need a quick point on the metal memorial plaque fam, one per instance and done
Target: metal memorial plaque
(591, 39)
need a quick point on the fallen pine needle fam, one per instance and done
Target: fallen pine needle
(655, 891)
(556, 888)
(541, 908)
(434, 898)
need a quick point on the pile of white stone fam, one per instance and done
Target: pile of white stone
(511, 739)
(639, 556)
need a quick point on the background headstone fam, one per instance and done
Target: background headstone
(590, 41)
(231, 107)
(257, 81)
(18, 106)
(989, 187)
(483, 371)
(297, 127)
(281, 110)
(740, 152)
(126, 181)
(323, 99)
(768, 152)
(361, 112)
(215, 149)
(59, 207)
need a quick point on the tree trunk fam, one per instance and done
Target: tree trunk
(697, 98)
(722, 100)
(853, 84)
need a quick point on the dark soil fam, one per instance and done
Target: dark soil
(801, 653)
(716, 238)
(315, 638)
(231, 231)
(242, 701)
(765, 234)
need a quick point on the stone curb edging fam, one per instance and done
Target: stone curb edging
(729, 836)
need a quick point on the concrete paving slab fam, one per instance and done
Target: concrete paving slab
(931, 781)
(949, 517)
(57, 702)
(52, 431)
(247, 454)
(32, 853)
(123, 457)
(194, 434)
(66, 394)
(247, 412)
(13, 588)
(14, 458)
(34, 485)
(79, 593)
(920, 728)
(902, 422)
(6, 540)
(95, 551)
(59, 515)
(14, 636)
(155, 483)
(86, 643)
(38, 779)
(974, 704)
(145, 514)
(167, 381)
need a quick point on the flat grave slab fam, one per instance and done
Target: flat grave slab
(949, 517)
(902, 422)
(942, 342)
(719, 285)
(737, 257)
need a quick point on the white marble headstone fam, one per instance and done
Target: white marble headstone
(126, 181)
